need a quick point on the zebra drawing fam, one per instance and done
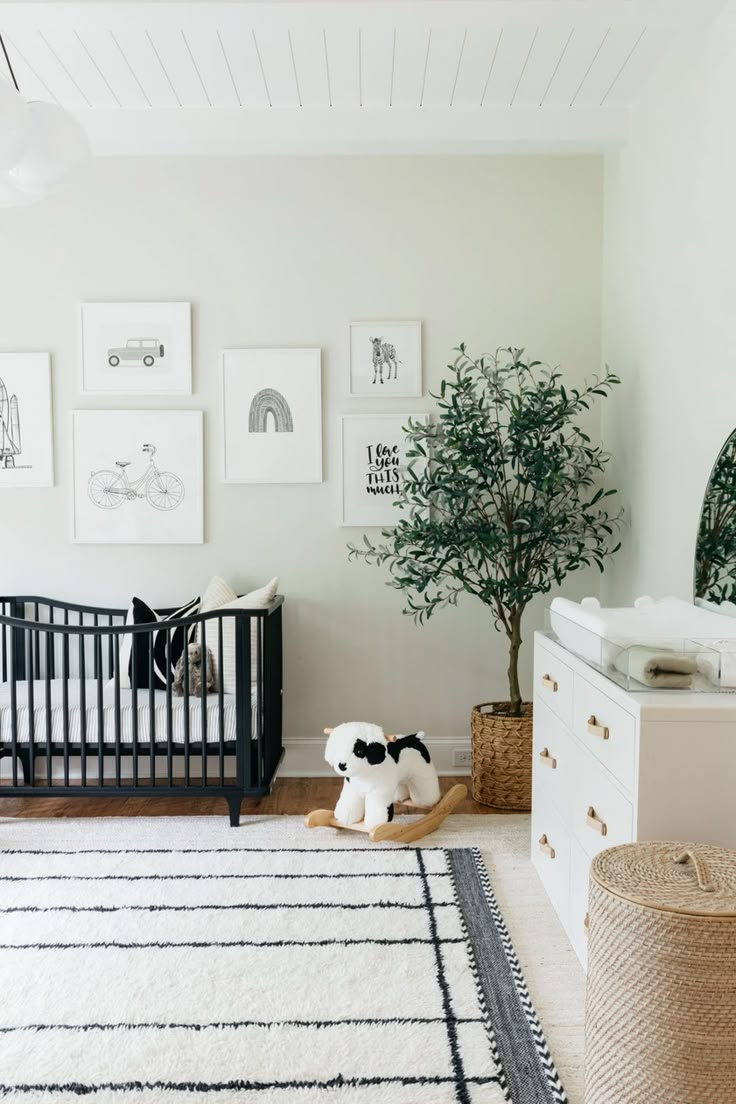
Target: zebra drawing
(383, 353)
(270, 403)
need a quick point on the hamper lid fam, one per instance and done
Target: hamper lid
(674, 877)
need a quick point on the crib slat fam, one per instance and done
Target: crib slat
(83, 704)
(51, 655)
(116, 694)
(65, 697)
(151, 715)
(243, 710)
(100, 711)
(14, 717)
(203, 699)
(47, 696)
(95, 622)
(221, 701)
(185, 675)
(5, 644)
(32, 665)
(36, 666)
(260, 767)
(169, 717)
(134, 702)
(110, 648)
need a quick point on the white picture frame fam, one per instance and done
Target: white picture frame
(26, 425)
(385, 360)
(137, 477)
(135, 348)
(272, 415)
(368, 469)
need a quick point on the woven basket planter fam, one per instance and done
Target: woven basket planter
(502, 756)
(660, 1025)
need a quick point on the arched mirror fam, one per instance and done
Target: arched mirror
(715, 550)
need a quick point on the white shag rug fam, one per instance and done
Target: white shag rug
(176, 959)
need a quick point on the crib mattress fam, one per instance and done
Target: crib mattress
(108, 714)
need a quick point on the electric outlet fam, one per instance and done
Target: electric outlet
(461, 757)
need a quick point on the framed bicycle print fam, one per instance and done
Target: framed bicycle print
(138, 477)
(135, 348)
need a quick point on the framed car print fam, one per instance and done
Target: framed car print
(135, 348)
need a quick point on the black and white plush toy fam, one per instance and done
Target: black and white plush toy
(379, 770)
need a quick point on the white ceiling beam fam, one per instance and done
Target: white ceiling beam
(226, 132)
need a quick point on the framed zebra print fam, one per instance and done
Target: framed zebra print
(386, 360)
(272, 415)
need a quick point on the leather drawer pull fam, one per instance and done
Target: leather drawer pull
(545, 847)
(596, 729)
(547, 760)
(595, 822)
(549, 683)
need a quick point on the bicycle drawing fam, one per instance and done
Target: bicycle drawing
(109, 489)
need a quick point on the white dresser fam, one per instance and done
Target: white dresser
(612, 766)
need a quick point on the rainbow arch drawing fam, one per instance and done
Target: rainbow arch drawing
(271, 402)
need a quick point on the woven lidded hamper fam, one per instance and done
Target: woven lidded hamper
(502, 756)
(660, 1022)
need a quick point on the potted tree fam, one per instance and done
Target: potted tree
(501, 500)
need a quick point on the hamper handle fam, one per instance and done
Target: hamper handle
(702, 872)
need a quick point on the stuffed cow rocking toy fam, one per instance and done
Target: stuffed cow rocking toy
(379, 772)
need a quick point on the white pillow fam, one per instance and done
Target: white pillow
(219, 595)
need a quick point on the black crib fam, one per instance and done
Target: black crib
(69, 728)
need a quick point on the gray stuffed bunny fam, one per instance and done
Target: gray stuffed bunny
(195, 671)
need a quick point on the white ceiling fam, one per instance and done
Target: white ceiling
(400, 76)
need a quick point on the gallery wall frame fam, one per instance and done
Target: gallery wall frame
(385, 360)
(26, 421)
(272, 415)
(373, 457)
(135, 348)
(138, 477)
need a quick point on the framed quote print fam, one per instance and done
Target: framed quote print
(373, 463)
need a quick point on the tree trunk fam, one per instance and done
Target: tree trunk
(514, 647)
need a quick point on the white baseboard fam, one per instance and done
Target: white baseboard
(305, 758)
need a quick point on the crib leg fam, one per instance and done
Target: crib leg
(24, 756)
(234, 807)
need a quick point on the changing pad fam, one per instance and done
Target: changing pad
(598, 635)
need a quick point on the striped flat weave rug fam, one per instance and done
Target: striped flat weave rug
(284, 975)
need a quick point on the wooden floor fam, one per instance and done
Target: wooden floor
(289, 796)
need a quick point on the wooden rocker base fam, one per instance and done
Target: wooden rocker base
(401, 833)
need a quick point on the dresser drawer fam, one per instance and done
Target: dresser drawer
(551, 855)
(606, 730)
(553, 683)
(579, 883)
(554, 761)
(602, 816)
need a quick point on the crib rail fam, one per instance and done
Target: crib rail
(81, 712)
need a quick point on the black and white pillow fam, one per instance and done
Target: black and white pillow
(167, 646)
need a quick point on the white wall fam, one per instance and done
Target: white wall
(286, 252)
(669, 307)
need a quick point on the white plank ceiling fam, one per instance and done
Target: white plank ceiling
(400, 76)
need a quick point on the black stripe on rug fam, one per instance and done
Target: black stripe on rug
(236, 1025)
(522, 1049)
(202, 877)
(242, 907)
(205, 944)
(340, 1082)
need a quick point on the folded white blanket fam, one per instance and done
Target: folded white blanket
(657, 667)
